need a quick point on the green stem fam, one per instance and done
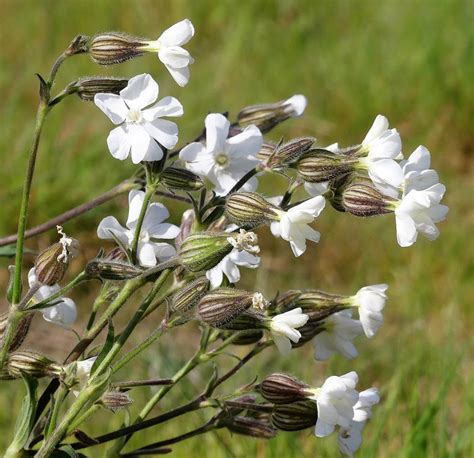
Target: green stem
(136, 318)
(62, 392)
(82, 418)
(150, 190)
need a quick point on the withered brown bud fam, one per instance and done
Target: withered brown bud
(250, 208)
(115, 400)
(181, 179)
(283, 389)
(249, 426)
(20, 332)
(115, 47)
(188, 296)
(295, 416)
(364, 200)
(221, 306)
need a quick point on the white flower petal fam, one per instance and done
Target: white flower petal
(282, 343)
(110, 225)
(118, 142)
(63, 314)
(141, 91)
(178, 34)
(163, 131)
(215, 275)
(175, 57)
(296, 105)
(113, 106)
(164, 251)
(192, 152)
(144, 147)
(217, 129)
(146, 254)
(167, 106)
(180, 75)
(135, 203)
(379, 126)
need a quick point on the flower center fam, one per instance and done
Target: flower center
(134, 116)
(222, 160)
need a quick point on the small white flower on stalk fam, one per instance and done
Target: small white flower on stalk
(243, 255)
(63, 313)
(381, 147)
(295, 105)
(335, 401)
(350, 438)
(318, 189)
(283, 328)
(418, 212)
(140, 129)
(417, 172)
(294, 224)
(339, 332)
(370, 301)
(224, 161)
(170, 51)
(149, 251)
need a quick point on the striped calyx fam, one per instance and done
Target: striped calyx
(115, 47)
(295, 416)
(32, 364)
(364, 200)
(111, 270)
(48, 269)
(288, 153)
(180, 179)
(87, 88)
(20, 332)
(203, 251)
(319, 165)
(283, 389)
(249, 426)
(189, 295)
(250, 209)
(221, 306)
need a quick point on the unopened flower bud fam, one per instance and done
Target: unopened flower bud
(249, 426)
(115, 47)
(267, 116)
(20, 332)
(319, 165)
(266, 151)
(115, 400)
(32, 364)
(116, 254)
(250, 208)
(223, 305)
(181, 179)
(188, 296)
(287, 300)
(249, 320)
(202, 251)
(87, 88)
(288, 153)
(364, 200)
(312, 300)
(245, 338)
(295, 416)
(111, 270)
(283, 389)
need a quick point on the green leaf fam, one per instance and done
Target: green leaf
(109, 341)
(25, 419)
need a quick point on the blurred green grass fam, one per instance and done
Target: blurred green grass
(410, 60)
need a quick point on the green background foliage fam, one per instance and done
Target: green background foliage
(410, 60)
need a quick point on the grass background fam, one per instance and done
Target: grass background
(410, 60)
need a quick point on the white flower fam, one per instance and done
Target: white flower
(224, 161)
(140, 130)
(229, 266)
(153, 227)
(417, 172)
(371, 301)
(294, 224)
(418, 211)
(283, 328)
(63, 313)
(339, 331)
(382, 146)
(83, 371)
(170, 51)
(318, 189)
(335, 401)
(350, 438)
(295, 106)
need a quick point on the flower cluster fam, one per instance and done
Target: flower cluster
(193, 268)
